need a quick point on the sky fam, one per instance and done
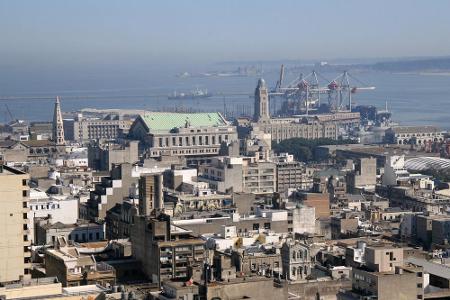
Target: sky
(82, 33)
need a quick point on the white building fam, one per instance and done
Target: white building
(62, 209)
(394, 170)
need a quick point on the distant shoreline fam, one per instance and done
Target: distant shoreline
(423, 73)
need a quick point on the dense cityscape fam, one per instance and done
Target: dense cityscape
(298, 192)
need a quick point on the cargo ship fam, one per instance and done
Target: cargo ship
(195, 94)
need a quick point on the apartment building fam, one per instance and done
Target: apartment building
(15, 260)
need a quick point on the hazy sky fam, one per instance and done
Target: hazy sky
(83, 32)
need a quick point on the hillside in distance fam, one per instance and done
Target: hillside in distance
(437, 65)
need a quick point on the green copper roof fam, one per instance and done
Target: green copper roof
(165, 121)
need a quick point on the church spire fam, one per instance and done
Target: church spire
(58, 128)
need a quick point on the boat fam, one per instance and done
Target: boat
(194, 94)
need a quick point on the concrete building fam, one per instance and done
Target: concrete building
(259, 176)
(13, 151)
(343, 227)
(73, 268)
(47, 233)
(320, 201)
(440, 230)
(87, 129)
(384, 276)
(62, 209)
(49, 288)
(223, 174)
(363, 176)
(103, 155)
(263, 219)
(302, 218)
(119, 219)
(182, 134)
(416, 135)
(395, 171)
(15, 260)
(404, 283)
(292, 174)
(150, 194)
(239, 174)
(164, 250)
(120, 185)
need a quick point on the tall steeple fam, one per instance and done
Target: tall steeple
(58, 128)
(261, 112)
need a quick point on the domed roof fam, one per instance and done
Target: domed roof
(261, 82)
(425, 163)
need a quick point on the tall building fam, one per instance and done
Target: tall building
(261, 112)
(150, 194)
(165, 251)
(58, 127)
(14, 254)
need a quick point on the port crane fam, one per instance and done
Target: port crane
(304, 92)
(340, 91)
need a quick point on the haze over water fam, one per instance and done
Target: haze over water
(413, 98)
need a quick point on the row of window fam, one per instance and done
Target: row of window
(194, 140)
(42, 206)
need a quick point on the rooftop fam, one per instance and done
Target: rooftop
(166, 121)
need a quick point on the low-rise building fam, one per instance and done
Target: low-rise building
(73, 268)
(47, 232)
(103, 155)
(417, 135)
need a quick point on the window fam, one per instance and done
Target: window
(419, 285)
(419, 274)
(24, 182)
(255, 226)
(24, 193)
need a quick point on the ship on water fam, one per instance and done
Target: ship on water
(194, 94)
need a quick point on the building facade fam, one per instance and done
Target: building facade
(15, 256)
(182, 134)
